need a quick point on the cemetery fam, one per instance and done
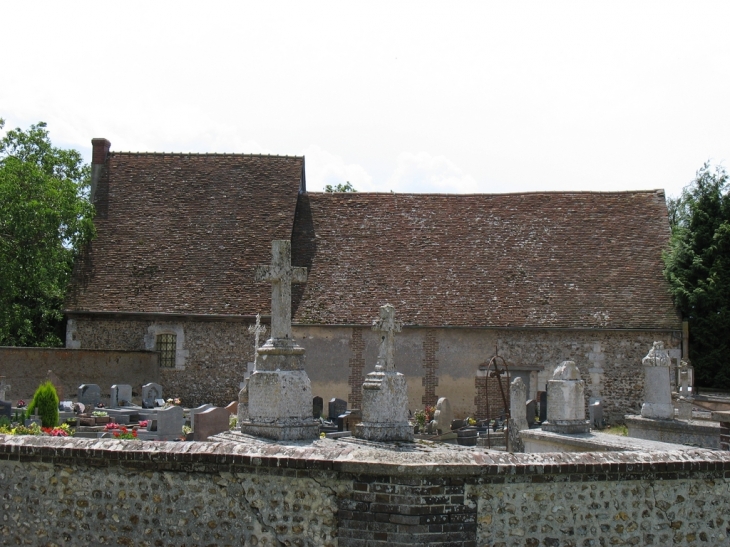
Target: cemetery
(268, 469)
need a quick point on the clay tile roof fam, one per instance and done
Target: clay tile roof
(579, 259)
(182, 233)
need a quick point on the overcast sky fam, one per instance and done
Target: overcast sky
(403, 96)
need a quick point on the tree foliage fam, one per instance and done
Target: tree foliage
(698, 270)
(45, 220)
(347, 187)
(45, 402)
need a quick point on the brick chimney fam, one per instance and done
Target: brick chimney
(99, 152)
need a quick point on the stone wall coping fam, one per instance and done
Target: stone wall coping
(343, 457)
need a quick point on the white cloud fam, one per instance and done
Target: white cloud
(324, 168)
(424, 173)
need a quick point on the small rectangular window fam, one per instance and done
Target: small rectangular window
(166, 345)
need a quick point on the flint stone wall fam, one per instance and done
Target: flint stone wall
(443, 362)
(110, 492)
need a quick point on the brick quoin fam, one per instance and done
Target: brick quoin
(430, 365)
(356, 364)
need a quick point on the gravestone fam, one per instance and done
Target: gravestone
(169, 423)
(232, 408)
(595, 415)
(6, 409)
(195, 411)
(89, 395)
(686, 396)
(336, 408)
(443, 416)
(531, 412)
(121, 395)
(566, 406)
(385, 392)
(150, 393)
(4, 388)
(543, 406)
(657, 384)
(210, 422)
(518, 420)
(242, 408)
(279, 390)
(317, 407)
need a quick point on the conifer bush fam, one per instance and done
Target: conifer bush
(45, 400)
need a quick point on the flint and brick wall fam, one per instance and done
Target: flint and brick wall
(110, 492)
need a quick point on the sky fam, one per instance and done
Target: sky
(464, 97)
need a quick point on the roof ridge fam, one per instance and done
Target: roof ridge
(131, 153)
(532, 193)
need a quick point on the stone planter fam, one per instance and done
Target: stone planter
(101, 420)
(467, 436)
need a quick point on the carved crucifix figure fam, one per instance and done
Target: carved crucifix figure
(387, 325)
(3, 388)
(257, 330)
(281, 275)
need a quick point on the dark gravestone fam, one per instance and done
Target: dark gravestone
(530, 412)
(6, 409)
(337, 407)
(543, 406)
(317, 407)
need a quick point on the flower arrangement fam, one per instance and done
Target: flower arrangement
(100, 413)
(124, 433)
(56, 431)
(232, 421)
(111, 425)
(143, 423)
(32, 429)
(172, 402)
(21, 403)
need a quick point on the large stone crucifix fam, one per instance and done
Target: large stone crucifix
(387, 325)
(281, 275)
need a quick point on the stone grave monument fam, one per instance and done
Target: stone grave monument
(685, 394)
(4, 388)
(279, 390)
(195, 411)
(257, 330)
(531, 412)
(384, 392)
(442, 416)
(89, 396)
(210, 422)
(121, 395)
(595, 415)
(566, 405)
(336, 408)
(150, 393)
(165, 426)
(657, 385)
(317, 407)
(6, 409)
(517, 415)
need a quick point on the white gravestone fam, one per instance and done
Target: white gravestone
(566, 405)
(517, 415)
(657, 384)
(443, 416)
(279, 390)
(384, 392)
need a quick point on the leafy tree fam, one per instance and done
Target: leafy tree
(347, 187)
(45, 402)
(698, 270)
(45, 220)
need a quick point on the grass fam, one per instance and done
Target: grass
(621, 430)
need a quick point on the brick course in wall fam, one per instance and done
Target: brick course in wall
(357, 364)
(430, 365)
(110, 492)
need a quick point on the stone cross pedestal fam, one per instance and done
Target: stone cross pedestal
(279, 390)
(657, 384)
(566, 405)
(384, 392)
(517, 415)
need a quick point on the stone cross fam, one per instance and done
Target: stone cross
(388, 326)
(281, 275)
(257, 330)
(3, 388)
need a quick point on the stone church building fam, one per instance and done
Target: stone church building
(538, 278)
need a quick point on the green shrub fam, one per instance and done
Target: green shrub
(45, 400)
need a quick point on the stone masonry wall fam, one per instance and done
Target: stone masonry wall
(436, 362)
(109, 492)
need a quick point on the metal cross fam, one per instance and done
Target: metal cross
(388, 326)
(281, 275)
(257, 330)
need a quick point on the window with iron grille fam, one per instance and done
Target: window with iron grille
(166, 345)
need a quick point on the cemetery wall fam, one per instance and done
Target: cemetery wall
(110, 492)
(25, 368)
(437, 362)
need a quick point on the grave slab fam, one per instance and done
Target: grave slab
(210, 422)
